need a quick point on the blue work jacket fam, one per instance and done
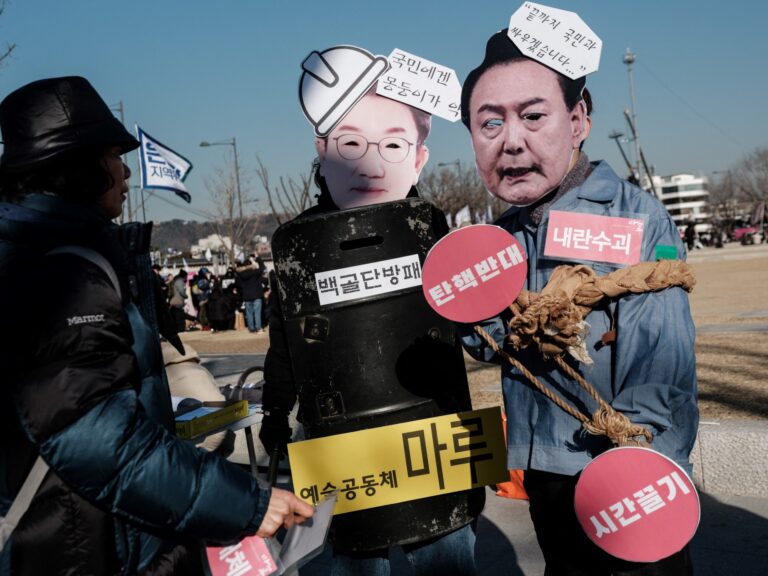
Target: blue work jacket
(648, 373)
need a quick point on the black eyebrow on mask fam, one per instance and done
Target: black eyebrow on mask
(499, 109)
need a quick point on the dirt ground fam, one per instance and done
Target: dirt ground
(731, 293)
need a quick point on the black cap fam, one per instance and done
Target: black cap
(499, 50)
(50, 117)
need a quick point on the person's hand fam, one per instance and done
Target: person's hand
(275, 431)
(284, 509)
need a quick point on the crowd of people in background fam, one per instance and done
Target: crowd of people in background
(206, 301)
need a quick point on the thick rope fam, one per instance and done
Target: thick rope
(525, 372)
(554, 321)
(604, 422)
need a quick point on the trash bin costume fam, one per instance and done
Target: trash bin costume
(368, 362)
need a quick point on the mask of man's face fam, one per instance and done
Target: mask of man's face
(523, 134)
(373, 155)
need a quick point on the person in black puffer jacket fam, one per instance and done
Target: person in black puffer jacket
(252, 285)
(221, 308)
(83, 387)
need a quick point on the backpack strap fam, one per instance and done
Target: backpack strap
(23, 498)
(94, 258)
(35, 477)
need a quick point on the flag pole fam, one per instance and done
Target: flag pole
(141, 179)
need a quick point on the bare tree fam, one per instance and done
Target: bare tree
(223, 191)
(9, 48)
(738, 193)
(452, 186)
(289, 197)
(749, 178)
(722, 189)
(449, 187)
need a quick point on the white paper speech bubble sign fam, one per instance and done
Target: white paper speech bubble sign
(422, 84)
(556, 38)
(333, 81)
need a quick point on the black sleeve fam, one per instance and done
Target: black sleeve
(72, 349)
(439, 223)
(279, 387)
(75, 384)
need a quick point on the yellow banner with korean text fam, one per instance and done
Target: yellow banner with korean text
(401, 462)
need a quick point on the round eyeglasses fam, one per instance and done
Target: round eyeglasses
(354, 147)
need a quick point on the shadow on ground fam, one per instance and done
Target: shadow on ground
(730, 540)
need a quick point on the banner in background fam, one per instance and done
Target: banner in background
(161, 167)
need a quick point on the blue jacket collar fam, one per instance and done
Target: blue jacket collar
(601, 185)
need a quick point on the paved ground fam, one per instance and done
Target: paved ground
(730, 308)
(732, 540)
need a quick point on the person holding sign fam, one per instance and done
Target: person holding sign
(92, 479)
(527, 120)
(359, 362)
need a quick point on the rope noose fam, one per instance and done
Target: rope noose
(553, 320)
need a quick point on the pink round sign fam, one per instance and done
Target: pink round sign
(474, 273)
(637, 504)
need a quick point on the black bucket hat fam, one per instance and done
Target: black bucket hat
(47, 118)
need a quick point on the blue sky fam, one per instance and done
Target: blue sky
(189, 70)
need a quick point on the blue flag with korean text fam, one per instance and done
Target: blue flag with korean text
(161, 167)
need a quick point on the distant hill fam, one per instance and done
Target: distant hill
(181, 234)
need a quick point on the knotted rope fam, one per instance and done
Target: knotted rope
(553, 320)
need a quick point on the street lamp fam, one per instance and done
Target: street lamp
(618, 137)
(230, 142)
(629, 59)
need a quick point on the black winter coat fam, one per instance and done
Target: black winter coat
(83, 387)
(251, 283)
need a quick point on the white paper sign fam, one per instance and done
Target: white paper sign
(305, 541)
(356, 282)
(421, 84)
(557, 38)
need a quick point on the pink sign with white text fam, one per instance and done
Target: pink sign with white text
(474, 273)
(637, 504)
(578, 236)
(249, 557)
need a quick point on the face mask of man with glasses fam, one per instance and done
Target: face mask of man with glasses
(375, 154)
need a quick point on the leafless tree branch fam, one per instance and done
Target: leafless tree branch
(222, 189)
(9, 48)
(289, 198)
(454, 186)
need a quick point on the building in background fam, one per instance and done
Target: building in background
(686, 198)
(263, 247)
(214, 243)
(220, 245)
